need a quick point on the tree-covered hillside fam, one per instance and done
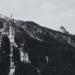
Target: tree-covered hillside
(49, 51)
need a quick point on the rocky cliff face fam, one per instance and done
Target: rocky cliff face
(36, 50)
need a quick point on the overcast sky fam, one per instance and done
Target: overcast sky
(48, 13)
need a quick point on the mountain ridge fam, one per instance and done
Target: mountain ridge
(48, 52)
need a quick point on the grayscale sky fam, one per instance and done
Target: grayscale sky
(48, 13)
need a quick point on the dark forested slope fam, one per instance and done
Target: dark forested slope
(49, 50)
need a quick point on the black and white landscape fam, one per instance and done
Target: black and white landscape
(37, 37)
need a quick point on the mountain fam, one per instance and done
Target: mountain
(48, 52)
